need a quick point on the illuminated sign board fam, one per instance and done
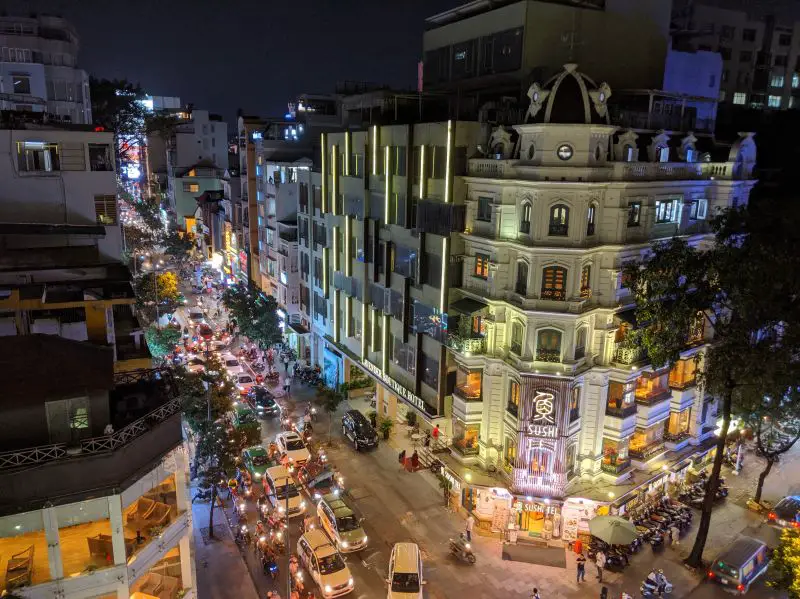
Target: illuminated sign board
(542, 422)
(396, 387)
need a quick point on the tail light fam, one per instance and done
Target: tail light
(710, 574)
(772, 515)
(796, 524)
(740, 588)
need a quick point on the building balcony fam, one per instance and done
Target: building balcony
(467, 345)
(683, 398)
(467, 394)
(654, 397)
(629, 355)
(464, 450)
(646, 452)
(548, 355)
(621, 411)
(676, 437)
(648, 414)
(615, 467)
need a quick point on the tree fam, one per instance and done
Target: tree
(162, 341)
(177, 244)
(117, 105)
(738, 287)
(784, 567)
(255, 314)
(330, 400)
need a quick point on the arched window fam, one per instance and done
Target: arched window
(575, 404)
(510, 453)
(570, 463)
(513, 398)
(580, 343)
(662, 154)
(627, 153)
(516, 338)
(554, 283)
(548, 346)
(525, 219)
(559, 220)
(540, 461)
(521, 285)
(586, 281)
(590, 220)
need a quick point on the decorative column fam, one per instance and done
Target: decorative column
(116, 518)
(188, 574)
(181, 491)
(50, 522)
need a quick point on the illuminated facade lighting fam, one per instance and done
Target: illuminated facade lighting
(421, 171)
(374, 149)
(386, 184)
(324, 152)
(448, 160)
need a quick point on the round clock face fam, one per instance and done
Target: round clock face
(535, 96)
(564, 151)
(602, 97)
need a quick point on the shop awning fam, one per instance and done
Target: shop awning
(298, 328)
(467, 305)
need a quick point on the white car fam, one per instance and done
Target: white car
(195, 364)
(244, 382)
(405, 572)
(196, 316)
(291, 445)
(325, 565)
(232, 365)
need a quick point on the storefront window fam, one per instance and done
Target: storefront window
(540, 461)
(84, 530)
(23, 546)
(645, 442)
(620, 399)
(677, 427)
(575, 404)
(465, 437)
(683, 374)
(146, 518)
(615, 455)
(468, 383)
(651, 387)
(513, 398)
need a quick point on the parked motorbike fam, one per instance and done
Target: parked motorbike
(462, 549)
(656, 585)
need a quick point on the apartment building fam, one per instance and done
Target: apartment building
(61, 270)
(549, 390)
(86, 512)
(498, 46)
(376, 253)
(759, 43)
(39, 68)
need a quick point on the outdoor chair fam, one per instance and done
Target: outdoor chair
(20, 569)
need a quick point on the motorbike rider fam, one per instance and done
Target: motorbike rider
(657, 579)
(462, 544)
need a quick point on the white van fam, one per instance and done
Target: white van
(405, 572)
(279, 486)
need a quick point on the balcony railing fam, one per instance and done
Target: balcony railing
(676, 437)
(91, 446)
(548, 355)
(616, 467)
(646, 452)
(682, 385)
(558, 230)
(654, 397)
(467, 451)
(628, 355)
(554, 294)
(621, 411)
(467, 394)
(471, 345)
(525, 227)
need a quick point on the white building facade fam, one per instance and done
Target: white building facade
(549, 389)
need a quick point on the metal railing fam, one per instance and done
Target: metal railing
(622, 411)
(615, 468)
(93, 445)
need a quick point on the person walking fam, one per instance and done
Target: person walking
(581, 568)
(535, 594)
(470, 525)
(600, 562)
(435, 435)
(675, 533)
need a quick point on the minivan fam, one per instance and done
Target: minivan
(281, 491)
(405, 572)
(341, 524)
(740, 564)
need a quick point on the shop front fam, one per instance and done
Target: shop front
(535, 519)
(576, 514)
(332, 367)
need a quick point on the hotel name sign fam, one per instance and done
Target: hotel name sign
(543, 421)
(396, 387)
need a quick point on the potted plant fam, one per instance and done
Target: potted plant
(373, 418)
(386, 425)
(411, 418)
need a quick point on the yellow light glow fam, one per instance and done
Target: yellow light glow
(374, 317)
(375, 149)
(347, 262)
(325, 271)
(336, 315)
(323, 157)
(363, 329)
(347, 153)
(447, 161)
(444, 275)
(348, 313)
(384, 356)
(335, 177)
(386, 184)
(335, 249)
(421, 171)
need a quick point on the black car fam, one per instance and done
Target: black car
(786, 513)
(263, 402)
(357, 428)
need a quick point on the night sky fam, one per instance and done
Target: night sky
(250, 54)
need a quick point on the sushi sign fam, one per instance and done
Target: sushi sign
(542, 422)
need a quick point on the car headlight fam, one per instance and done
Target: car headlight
(350, 582)
(467, 546)
(303, 504)
(345, 544)
(365, 539)
(280, 509)
(328, 588)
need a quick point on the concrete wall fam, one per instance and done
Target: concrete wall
(200, 142)
(693, 73)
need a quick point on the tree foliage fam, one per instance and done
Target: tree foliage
(741, 287)
(117, 106)
(145, 291)
(330, 399)
(784, 567)
(162, 341)
(177, 244)
(255, 314)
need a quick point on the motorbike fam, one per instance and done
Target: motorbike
(656, 585)
(462, 549)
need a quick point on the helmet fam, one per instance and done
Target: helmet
(259, 523)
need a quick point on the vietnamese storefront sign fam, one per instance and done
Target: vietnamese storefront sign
(396, 387)
(543, 421)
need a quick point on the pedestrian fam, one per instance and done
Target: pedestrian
(402, 458)
(286, 386)
(669, 536)
(600, 562)
(286, 364)
(581, 568)
(469, 526)
(675, 534)
(435, 435)
(535, 594)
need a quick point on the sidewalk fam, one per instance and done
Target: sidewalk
(221, 572)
